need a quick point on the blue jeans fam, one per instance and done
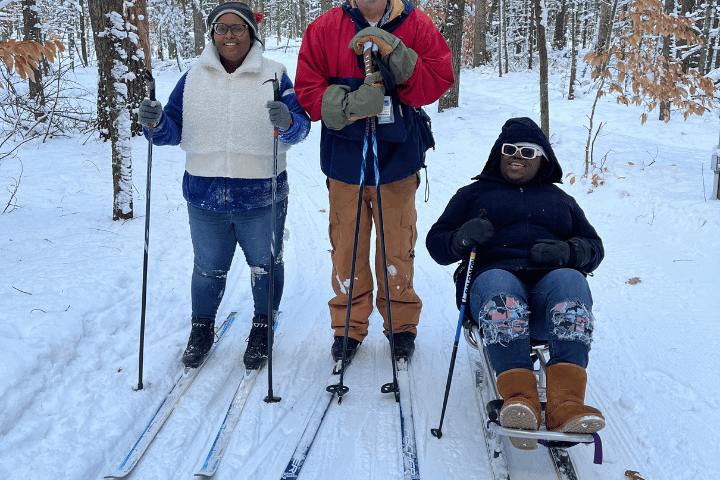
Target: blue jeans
(215, 236)
(558, 309)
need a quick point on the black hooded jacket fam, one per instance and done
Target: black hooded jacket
(520, 214)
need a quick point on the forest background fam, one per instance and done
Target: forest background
(662, 55)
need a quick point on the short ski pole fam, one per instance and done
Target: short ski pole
(271, 285)
(151, 90)
(437, 432)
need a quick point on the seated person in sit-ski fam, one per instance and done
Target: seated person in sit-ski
(534, 249)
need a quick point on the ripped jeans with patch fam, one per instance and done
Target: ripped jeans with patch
(215, 236)
(558, 308)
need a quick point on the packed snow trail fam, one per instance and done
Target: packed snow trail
(72, 282)
(361, 434)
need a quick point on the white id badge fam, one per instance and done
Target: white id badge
(387, 116)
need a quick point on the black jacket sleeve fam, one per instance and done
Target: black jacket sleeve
(440, 235)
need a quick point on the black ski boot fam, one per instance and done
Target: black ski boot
(404, 345)
(337, 349)
(256, 353)
(202, 337)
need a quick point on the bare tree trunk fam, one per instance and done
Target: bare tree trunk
(559, 37)
(83, 33)
(172, 47)
(705, 49)
(504, 40)
(31, 31)
(604, 26)
(302, 12)
(501, 20)
(480, 55)
(540, 18)
(665, 105)
(113, 116)
(574, 48)
(531, 37)
(160, 41)
(198, 27)
(453, 36)
(325, 5)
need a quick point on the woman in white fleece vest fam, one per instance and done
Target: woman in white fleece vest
(222, 114)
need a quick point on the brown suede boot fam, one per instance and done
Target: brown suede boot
(565, 410)
(521, 408)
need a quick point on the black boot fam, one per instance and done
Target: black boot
(404, 345)
(256, 353)
(337, 349)
(202, 337)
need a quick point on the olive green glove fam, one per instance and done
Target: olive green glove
(341, 107)
(397, 58)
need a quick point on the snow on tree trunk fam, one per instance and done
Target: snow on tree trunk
(112, 42)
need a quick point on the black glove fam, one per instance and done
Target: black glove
(150, 112)
(576, 252)
(279, 115)
(473, 232)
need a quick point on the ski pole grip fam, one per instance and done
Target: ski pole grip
(276, 89)
(368, 48)
(151, 84)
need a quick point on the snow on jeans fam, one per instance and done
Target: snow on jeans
(399, 218)
(557, 309)
(215, 236)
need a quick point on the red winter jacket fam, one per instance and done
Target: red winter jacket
(326, 59)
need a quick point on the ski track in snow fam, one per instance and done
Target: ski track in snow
(70, 331)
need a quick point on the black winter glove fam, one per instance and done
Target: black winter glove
(473, 232)
(574, 253)
(150, 112)
(279, 115)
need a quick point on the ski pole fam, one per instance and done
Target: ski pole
(369, 48)
(437, 432)
(340, 388)
(271, 286)
(151, 91)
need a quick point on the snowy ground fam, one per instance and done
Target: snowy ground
(72, 281)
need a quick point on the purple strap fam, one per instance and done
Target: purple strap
(598, 449)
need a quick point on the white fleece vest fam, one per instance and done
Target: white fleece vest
(226, 128)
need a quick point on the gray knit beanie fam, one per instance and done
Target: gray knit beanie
(240, 9)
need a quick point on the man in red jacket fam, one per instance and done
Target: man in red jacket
(414, 70)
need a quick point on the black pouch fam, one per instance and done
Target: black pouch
(423, 123)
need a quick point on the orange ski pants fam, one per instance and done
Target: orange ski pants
(399, 219)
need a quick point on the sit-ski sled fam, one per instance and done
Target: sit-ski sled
(491, 402)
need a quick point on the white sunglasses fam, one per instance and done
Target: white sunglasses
(528, 153)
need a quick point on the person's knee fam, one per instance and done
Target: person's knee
(572, 321)
(210, 273)
(504, 319)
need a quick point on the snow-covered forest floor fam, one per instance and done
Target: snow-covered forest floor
(72, 282)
